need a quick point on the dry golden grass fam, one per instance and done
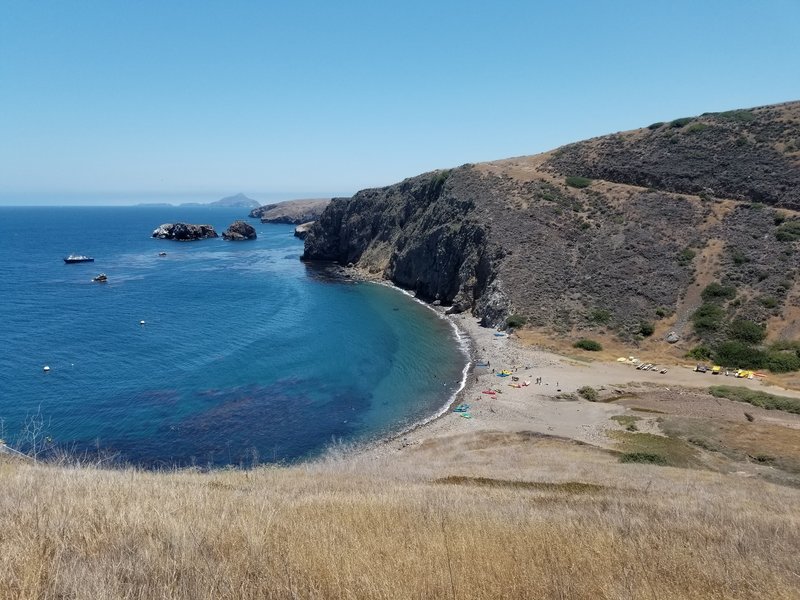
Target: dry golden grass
(361, 528)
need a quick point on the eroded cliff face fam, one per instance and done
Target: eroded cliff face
(421, 233)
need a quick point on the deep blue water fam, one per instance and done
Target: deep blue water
(247, 354)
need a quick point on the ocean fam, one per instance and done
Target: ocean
(246, 354)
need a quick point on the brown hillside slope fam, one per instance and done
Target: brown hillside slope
(560, 520)
(512, 236)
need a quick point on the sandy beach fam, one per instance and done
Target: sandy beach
(553, 407)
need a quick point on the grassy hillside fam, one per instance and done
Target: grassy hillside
(559, 521)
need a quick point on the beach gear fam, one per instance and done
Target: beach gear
(461, 408)
(466, 415)
(490, 392)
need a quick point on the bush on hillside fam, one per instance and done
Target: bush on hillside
(700, 353)
(656, 125)
(768, 301)
(789, 231)
(739, 116)
(686, 256)
(716, 292)
(677, 123)
(746, 331)
(697, 127)
(739, 355)
(600, 315)
(643, 457)
(708, 318)
(589, 345)
(646, 328)
(587, 392)
(578, 182)
(783, 362)
(515, 321)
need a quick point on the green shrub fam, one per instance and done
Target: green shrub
(768, 301)
(697, 128)
(717, 292)
(643, 457)
(600, 315)
(578, 182)
(708, 318)
(740, 116)
(589, 345)
(756, 398)
(437, 182)
(739, 257)
(788, 231)
(646, 328)
(699, 353)
(686, 256)
(739, 355)
(746, 331)
(661, 312)
(656, 125)
(515, 321)
(783, 362)
(588, 393)
(681, 122)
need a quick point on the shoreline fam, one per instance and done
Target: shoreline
(552, 408)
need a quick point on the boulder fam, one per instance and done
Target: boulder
(184, 232)
(239, 231)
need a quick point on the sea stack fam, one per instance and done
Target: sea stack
(184, 232)
(239, 231)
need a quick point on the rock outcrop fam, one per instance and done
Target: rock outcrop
(294, 212)
(239, 231)
(301, 231)
(660, 211)
(184, 232)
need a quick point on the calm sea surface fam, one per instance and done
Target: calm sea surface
(246, 355)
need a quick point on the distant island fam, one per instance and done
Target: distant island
(237, 201)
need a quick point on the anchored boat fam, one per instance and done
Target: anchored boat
(77, 258)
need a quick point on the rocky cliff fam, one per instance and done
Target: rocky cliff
(614, 232)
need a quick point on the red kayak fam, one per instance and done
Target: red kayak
(490, 392)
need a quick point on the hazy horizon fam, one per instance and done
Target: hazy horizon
(136, 198)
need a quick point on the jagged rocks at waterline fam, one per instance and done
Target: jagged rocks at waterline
(239, 231)
(184, 232)
(301, 231)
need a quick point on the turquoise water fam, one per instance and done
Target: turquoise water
(246, 355)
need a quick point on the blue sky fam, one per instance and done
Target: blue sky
(119, 101)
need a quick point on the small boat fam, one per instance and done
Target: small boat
(100, 278)
(162, 253)
(77, 258)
